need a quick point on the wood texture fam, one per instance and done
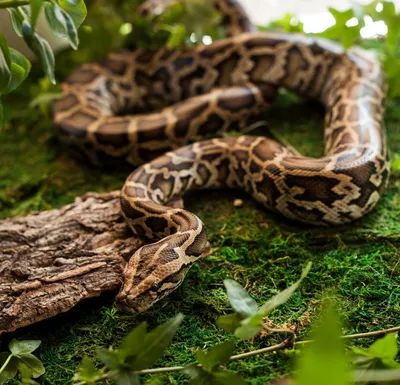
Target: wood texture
(50, 261)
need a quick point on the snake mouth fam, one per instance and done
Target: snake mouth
(131, 304)
(134, 302)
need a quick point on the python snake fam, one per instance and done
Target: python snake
(211, 89)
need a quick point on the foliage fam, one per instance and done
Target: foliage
(21, 361)
(348, 28)
(182, 23)
(209, 370)
(365, 277)
(248, 320)
(322, 361)
(140, 349)
(63, 17)
(381, 353)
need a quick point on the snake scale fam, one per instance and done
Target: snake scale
(210, 89)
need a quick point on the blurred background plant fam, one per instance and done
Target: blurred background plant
(116, 25)
(109, 26)
(64, 18)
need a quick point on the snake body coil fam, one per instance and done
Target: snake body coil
(212, 89)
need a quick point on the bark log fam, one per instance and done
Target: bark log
(50, 261)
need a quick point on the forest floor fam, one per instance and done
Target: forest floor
(357, 264)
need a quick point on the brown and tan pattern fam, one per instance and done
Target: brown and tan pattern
(212, 89)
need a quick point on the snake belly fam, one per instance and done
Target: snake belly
(211, 89)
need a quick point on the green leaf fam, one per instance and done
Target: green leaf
(390, 363)
(341, 17)
(201, 377)
(87, 371)
(110, 358)
(340, 31)
(229, 322)
(41, 48)
(177, 36)
(61, 24)
(5, 64)
(76, 9)
(36, 6)
(384, 349)
(22, 347)
(156, 342)
(25, 374)
(1, 115)
(377, 376)
(126, 377)
(35, 366)
(288, 23)
(351, 35)
(240, 299)
(324, 361)
(216, 356)
(43, 101)
(284, 295)
(155, 381)
(392, 69)
(10, 370)
(250, 327)
(20, 68)
(17, 18)
(392, 37)
(392, 20)
(227, 378)
(197, 375)
(133, 343)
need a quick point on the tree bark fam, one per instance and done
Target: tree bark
(51, 260)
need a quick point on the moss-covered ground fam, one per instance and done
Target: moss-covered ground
(358, 264)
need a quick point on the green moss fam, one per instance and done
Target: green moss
(358, 263)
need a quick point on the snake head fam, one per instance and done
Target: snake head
(152, 273)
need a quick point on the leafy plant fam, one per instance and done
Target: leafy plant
(348, 30)
(324, 360)
(187, 25)
(139, 350)
(181, 23)
(248, 320)
(63, 17)
(381, 354)
(210, 371)
(20, 360)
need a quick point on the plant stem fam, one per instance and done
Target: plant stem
(6, 363)
(13, 3)
(161, 370)
(359, 335)
(102, 377)
(283, 345)
(371, 334)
